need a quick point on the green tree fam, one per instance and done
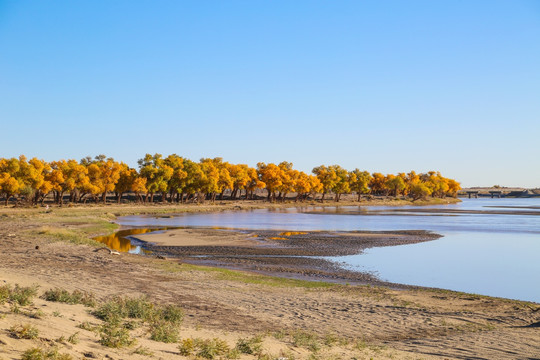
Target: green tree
(395, 184)
(359, 182)
(341, 185)
(419, 191)
(328, 178)
(157, 175)
(177, 180)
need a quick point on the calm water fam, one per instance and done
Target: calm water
(490, 253)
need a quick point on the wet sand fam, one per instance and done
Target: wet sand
(278, 252)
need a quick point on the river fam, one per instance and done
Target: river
(489, 246)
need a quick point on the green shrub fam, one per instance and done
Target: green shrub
(111, 310)
(113, 335)
(15, 308)
(64, 296)
(122, 307)
(172, 314)
(164, 320)
(26, 331)
(37, 314)
(74, 339)
(205, 348)
(22, 295)
(130, 325)
(164, 331)
(143, 351)
(187, 346)
(86, 326)
(5, 291)
(41, 354)
(252, 346)
(305, 339)
(138, 308)
(35, 354)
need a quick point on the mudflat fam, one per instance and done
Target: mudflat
(294, 254)
(345, 321)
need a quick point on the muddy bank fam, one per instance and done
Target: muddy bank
(281, 253)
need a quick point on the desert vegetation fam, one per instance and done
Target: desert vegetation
(177, 179)
(121, 323)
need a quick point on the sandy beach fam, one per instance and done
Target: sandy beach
(364, 322)
(199, 237)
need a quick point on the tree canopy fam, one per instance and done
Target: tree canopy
(177, 179)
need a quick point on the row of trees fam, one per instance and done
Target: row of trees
(177, 179)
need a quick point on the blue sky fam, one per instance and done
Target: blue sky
(384, 86)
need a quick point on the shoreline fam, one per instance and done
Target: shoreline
(299, 255)
(53, 250)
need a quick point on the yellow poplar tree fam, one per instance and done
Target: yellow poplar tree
(315, 185)
(302, 185)
(341, 185)
(9, 185)
(271, 175)
(254, 182)
(195, 181)
(288, 178)
(453, 187)
(211, 182)
(240, 178)
(40, 183)
(139, 187)
(395, 184)
(176, 182)
(378, 184)
(328, 178)
(359, 182)
(125, 181)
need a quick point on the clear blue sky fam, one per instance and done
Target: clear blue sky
(384, 86)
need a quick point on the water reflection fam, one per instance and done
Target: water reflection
(121, 241)
(489, 246)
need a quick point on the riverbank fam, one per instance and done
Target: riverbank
(44, 248)
(292, 254)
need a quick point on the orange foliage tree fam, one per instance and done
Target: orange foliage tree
(178, 179)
